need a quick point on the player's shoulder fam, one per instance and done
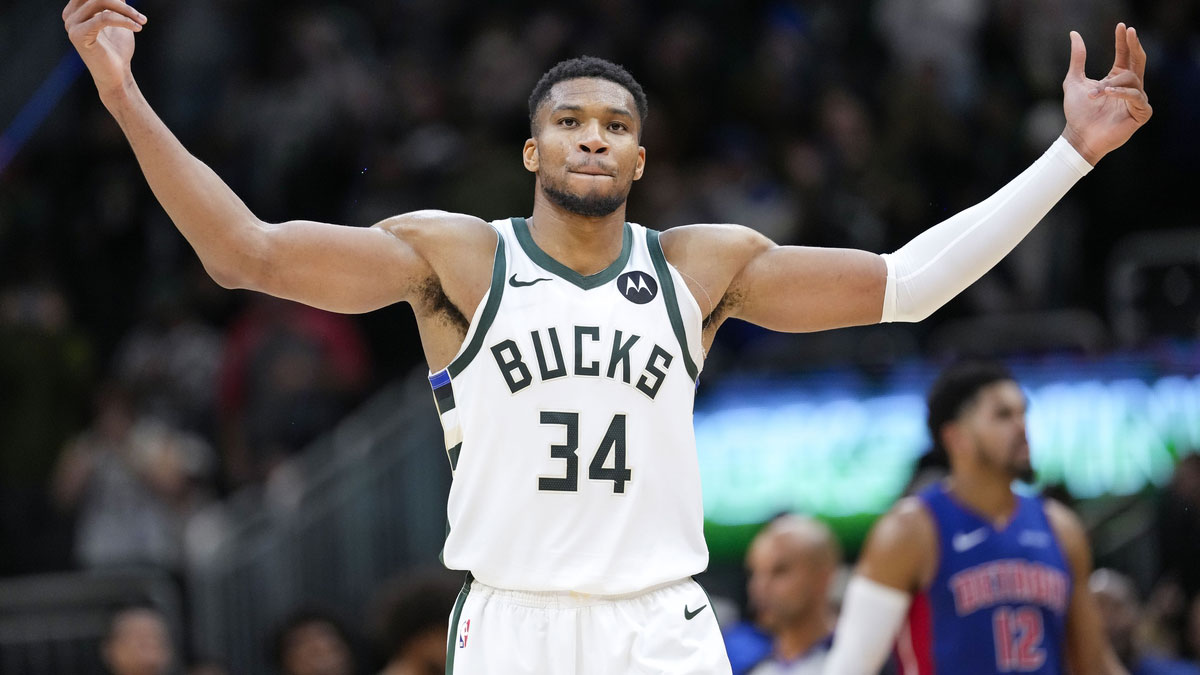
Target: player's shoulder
(909, 517)
(1067, 526)
(459, 249)
(429, 226)
(712, 253)
(907, 525)
(902, 546)
(708, 236)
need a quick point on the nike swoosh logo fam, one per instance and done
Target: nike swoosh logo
(691, 615)
(965, 541)
(512, 281)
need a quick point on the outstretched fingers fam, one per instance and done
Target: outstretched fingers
(1137, 54)
(1078, 57)
(1121, 53)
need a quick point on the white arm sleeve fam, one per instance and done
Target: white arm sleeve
(940, 262)
(866, 629)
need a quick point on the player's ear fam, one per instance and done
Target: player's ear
(951, 435)
(529, 155)
(640, 167)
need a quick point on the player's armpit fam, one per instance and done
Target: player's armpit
(1087, 648)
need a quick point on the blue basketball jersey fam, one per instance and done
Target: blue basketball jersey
(998, 603)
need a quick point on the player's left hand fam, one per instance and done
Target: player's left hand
(1103, 114)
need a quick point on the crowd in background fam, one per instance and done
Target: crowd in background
(135, 390)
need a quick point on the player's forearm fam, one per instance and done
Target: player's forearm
(224, 232)
(942, 261)
(872, 614)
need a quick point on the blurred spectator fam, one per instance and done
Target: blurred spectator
(289, 373)
(169, 361)
(313, 641)
(936, 39)
(138, 642)
(300, 119)
(1127, 625)
(45, 372)
(411, 620)
(132, 484)
(1179, 526)
(1192, 637)
(792, 565)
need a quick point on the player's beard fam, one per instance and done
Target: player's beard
(590, 205)
(1022, 470)
(1016, 467)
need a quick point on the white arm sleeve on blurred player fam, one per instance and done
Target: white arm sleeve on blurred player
(942, 261)
(871, 616)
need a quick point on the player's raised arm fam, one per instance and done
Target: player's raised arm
(799, 289)
(345, 269)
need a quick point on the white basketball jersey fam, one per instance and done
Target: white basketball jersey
(568, 421)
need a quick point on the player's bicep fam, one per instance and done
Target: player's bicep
(802, 289)
(332, 267)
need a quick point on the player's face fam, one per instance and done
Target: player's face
(586, 153)
(996, 424)
(784, 583)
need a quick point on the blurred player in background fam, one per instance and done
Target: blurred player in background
(564, 347)
(969, 576)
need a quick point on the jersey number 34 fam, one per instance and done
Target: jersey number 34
(613, 444)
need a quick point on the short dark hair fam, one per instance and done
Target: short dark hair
(586, 66)
(412, 604)
(306, 615)
(956, 388)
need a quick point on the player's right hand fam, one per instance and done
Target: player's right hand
(102, 32)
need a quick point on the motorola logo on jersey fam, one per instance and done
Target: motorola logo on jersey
(637, 287)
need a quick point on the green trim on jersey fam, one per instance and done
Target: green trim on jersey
(543, 260)
(668, 291)
(442, 553)
(489, 311)
(458, 605)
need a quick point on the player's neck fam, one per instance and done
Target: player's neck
(586, 245)
(797, 639)
(989, 495)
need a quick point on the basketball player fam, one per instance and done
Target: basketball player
(564, 346)
(968, 576)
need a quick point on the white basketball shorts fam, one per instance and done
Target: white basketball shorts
(665, 629)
